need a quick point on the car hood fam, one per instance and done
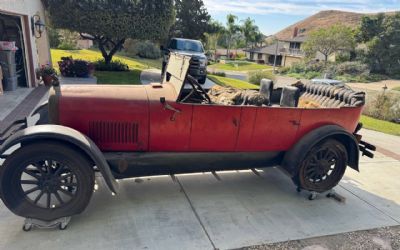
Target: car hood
(190, 53)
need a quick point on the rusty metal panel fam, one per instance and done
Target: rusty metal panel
(215, 128)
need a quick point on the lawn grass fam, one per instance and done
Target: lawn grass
(381, 126)
(240, 66)
(136, 65)
(150, 63)
(93, 55)
(397, 88)
(124, 77)
(225, 81)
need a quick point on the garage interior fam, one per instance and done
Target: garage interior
(13, 62)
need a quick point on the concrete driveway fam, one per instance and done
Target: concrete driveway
(239, 208)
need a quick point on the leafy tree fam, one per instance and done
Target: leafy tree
(259, 39)
(216, 31)
(329, 40)
(231, 31)
(54, 37)
(192, 19)
(381, 35)
(109, 22)
(249, 31)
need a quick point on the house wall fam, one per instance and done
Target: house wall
(40, 49)
(289, 60)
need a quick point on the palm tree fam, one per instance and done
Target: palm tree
(249, 30)
(231, 29)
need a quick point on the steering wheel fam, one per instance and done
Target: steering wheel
(196, 87)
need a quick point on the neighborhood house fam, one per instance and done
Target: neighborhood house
(287, 51)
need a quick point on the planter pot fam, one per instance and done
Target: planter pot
(47, 80)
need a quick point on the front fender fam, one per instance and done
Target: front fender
(297, 153)
(65, 135)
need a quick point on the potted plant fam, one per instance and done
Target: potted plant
(46, 72)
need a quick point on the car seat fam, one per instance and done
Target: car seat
(266, 89)
(290, 96)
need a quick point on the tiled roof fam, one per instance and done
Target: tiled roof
(268, 49)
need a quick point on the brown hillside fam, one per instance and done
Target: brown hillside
(322, 19)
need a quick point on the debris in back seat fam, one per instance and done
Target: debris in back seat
(233, 96)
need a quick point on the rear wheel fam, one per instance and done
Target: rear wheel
(46, 181)
(323, 167)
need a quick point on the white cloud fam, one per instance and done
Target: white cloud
(299, 7)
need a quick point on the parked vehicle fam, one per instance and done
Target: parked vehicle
(193, 48)
(129, 131)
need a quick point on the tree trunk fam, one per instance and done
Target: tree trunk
(326, 59)
(108, 56)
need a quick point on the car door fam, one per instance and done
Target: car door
(275, 128)
(214, 128)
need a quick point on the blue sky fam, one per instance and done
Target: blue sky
(273, 15)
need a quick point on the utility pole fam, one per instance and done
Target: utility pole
(276, 54)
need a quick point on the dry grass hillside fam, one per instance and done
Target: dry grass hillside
(322, 19)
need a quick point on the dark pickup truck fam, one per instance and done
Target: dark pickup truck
(193, 48)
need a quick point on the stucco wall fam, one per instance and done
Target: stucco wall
(40, 46)
(289, 60)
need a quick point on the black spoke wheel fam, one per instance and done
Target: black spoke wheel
(46, 181)
(323, 167)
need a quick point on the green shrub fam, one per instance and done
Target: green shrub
(67, 46)
(256, 76)
(144, 49)
(312, 74)
(283, 70)
(352, 68)
(299, 67)
(148, 50)
(81, 68)
(385, 106)
(217, 73)
(115, 65)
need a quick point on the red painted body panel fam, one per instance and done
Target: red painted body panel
(214, 128)
(132, 118)
(166, 134)
(105, 108)
(274, 129)
(346, 117)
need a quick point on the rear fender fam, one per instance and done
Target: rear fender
(68, 136)
(297, 153)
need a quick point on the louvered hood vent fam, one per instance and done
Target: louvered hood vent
(114, 132)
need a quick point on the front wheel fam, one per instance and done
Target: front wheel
(323, 166)
(46, 181)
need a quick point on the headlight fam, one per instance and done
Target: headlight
(203, 62)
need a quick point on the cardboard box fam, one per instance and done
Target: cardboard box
(7, 45)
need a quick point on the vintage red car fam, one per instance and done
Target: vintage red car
(157, 129)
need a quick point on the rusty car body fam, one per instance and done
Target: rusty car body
(128, 131)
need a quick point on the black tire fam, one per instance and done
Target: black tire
(202, 80)
(323, 166)
(53, 170)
